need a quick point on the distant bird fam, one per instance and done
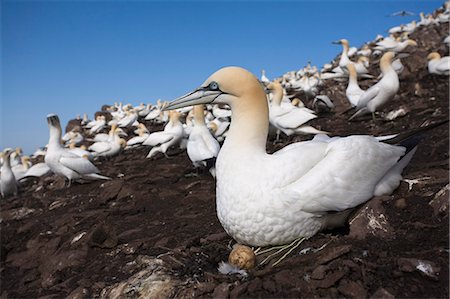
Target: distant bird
(402, 13)
(438, 65)
(272, 199)
(353, 91)
(109, 148)
(394, 46)
(19, 170)
(381, 92)
(172, 135)
(264, 79)
(81, 151)
(64, 163)
(322, 103)
(37, 170)
(344, 60)
(202, 147)
(288, 119)
(8, 183)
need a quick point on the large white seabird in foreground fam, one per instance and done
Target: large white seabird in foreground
(64, 163)
(268, 199)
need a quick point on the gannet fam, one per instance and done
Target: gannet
(365, 51)
(394, 46)
(438, 65)
(344, 60)
(219, 128)
(270, 199)
(15, 156)
(172, 135)
(288, 119)
(19, 170)
(202, 147)
(81, 151)
(402, 13)
(384, 90)
(39, 152)
(137, 140)
(353, 91)
(141, 128)
(37, 170)
(129, 119)
(108, 148)
(99, 124)
(8, 183)
(72, 136)
(263, 77)
(64, 163)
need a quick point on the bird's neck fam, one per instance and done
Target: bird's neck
(55, 138)
(277, 96)
(386, 67)
(249, 126)
(353, 77)
(345, 49)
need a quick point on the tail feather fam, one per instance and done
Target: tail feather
(94, 176)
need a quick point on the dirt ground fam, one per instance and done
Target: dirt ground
(152, 231)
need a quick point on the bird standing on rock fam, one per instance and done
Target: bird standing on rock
(8, 183)
(172, 135)
(269, 199)
(383, 91)
(202, 147)
(64, 163)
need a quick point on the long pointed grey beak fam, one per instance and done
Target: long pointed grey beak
(197, 97)
(336, 42)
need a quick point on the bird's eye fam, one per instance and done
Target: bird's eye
(213, 85)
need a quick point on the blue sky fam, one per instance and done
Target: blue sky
(71, 57)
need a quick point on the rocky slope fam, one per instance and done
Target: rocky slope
(152, 231)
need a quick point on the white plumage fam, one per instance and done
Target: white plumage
(64, 163)
(265, 199)
(172, 135)
(201, 145)
(438, 65)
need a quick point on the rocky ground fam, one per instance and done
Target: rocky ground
(152, 231)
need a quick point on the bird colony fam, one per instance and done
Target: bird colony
(262, 200)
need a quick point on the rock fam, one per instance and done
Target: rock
(440, 202)
(319, 272)
(221, 291)
(152, 282)
(79, 293)
(255, 285)
(269, 285)
(239, 290)
(103, 236)
(17, 214)
(333, 253)
(400, 203)
(329, 280)
(214, 237)
(352, 289)
(382, 293)
(371, 220)
(110, 190)
(426, 268)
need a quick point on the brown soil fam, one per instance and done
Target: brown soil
(154, 225)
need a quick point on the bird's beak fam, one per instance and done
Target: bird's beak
(336, 42)
(196, 97)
